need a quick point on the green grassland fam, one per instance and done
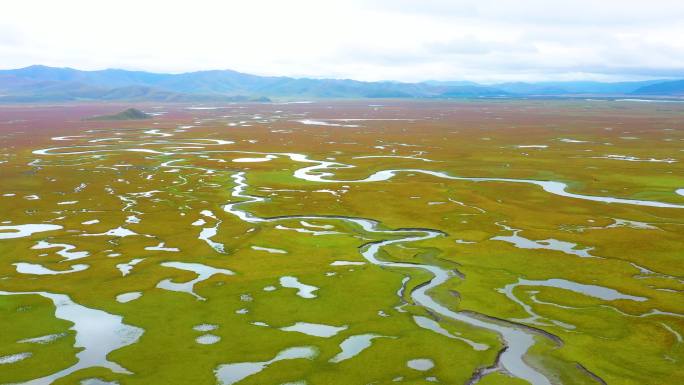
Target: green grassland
(579, 339)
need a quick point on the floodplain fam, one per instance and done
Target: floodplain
(343, 242)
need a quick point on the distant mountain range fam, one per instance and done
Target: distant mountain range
(48, 84)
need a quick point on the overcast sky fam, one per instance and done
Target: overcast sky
(480, 40)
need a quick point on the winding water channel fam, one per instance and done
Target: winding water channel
(517, 340)
(113, 334)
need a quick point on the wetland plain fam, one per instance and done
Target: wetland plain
(343, 242)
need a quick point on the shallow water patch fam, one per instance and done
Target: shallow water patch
(125, 268)
(207, 339)
(66, 250)
(203, 272)
(20, 231)
(12, 358)
(421, 364)
(46, 339)
(228, 374)
(549, 244)
(37, 269)
(269, 250)
(97, 332)
(354, 345)
(313, 329)
(303, 290)
(128, 297)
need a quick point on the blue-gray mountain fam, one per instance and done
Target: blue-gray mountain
(41, 84)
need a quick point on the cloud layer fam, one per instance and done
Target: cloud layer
(485, 40)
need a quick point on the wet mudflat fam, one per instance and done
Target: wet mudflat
(499, 242)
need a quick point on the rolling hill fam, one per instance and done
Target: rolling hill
(128, 114)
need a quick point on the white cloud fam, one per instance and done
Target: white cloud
(485, 40)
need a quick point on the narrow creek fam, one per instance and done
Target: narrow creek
(516, 339)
